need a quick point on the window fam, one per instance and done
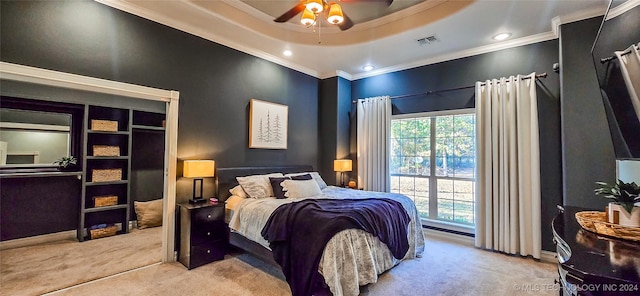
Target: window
(436, 151)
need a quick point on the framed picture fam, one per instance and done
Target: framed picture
(267, 125)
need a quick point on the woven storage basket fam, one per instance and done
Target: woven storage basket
(104, 125)
(103, 232)
(597, 222)
(105, 200)
(106, 175)
(104, 150)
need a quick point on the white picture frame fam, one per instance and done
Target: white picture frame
(268, 124)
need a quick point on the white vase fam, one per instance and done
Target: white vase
(618, 215)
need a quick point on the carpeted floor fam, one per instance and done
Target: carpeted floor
(447, 268)
(43, 268)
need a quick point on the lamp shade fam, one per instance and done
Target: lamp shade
(199, 168)
(335, 14)
(308, 18)
(342, 165)
(315, 6)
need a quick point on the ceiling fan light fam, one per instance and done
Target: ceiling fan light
(315, 6)
(308, 18)
(335, 14)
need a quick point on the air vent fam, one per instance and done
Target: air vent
(428, 40)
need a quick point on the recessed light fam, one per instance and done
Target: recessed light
(368, 68)
(287, 53)
(502, 36)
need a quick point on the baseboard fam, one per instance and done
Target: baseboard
(35, 240)
(452, 237)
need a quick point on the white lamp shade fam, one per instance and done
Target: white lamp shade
(342, 165)
(199, 168)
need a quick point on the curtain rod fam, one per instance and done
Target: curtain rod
(543, 75)
(609, 59)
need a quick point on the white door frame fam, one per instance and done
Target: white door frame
(9, 71)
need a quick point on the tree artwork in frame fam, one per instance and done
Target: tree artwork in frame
(267, 125)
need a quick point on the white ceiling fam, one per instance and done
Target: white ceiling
(388, 42)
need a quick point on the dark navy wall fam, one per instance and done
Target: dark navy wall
(586, 142)
(537, 58)
(214, 81)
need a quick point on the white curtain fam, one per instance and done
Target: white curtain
(630, 67)
(508, 166)
(374, 127)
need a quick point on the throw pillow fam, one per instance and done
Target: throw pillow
(149, 213)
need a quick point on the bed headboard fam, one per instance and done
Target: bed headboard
(226, 177)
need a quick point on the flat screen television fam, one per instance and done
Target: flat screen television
(618, 34)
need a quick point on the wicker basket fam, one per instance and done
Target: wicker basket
(104, 150)
(104, 125)
(103, 232)
(105, 200)
(106, 175)
(597, 222)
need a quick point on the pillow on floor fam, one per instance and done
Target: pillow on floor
(149, 213)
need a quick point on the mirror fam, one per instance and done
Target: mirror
(33, 137)
(618, 33)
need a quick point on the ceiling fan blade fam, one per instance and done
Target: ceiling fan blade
(346, 23)
(290, 14)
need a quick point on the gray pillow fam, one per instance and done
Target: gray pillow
(257, 186)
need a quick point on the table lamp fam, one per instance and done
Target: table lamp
(342, 165)
(198, 169)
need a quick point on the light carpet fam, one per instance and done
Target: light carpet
(35, 270)
(447, 268)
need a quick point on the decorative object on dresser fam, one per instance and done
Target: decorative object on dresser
(198, 169)
(624, 195)
(342, 165)
(591, 264)
(203, 234)
(267, 125)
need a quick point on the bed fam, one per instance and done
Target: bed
(350, 259)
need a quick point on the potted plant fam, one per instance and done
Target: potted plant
(66, 163)
(622, 209)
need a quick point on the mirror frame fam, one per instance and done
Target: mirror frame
(75, 134)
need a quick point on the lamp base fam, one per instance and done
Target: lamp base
(196, 200)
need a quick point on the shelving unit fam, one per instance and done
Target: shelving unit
(119, 139)
(138, 133)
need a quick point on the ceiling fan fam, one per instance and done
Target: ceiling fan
(312, 8)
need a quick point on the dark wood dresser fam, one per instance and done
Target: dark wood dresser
(204, 236)
(591, 264)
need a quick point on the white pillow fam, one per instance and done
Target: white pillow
(258, 186)
(314, 175)
(232, 202)
(238, 191)
(300, 188)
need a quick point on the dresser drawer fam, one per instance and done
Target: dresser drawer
(216, 230)
(207, 252)
(207, 215)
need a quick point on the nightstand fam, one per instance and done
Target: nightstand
(204, 236)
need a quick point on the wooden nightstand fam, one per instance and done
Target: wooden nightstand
(204, 236)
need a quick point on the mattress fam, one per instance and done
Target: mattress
(353, 257)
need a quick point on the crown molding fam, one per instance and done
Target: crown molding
(622, 8)
(462, 54)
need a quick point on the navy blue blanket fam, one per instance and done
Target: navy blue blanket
(298, 232)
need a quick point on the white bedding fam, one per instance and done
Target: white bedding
(353, 257)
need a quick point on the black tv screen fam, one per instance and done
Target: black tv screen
(618, 34)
